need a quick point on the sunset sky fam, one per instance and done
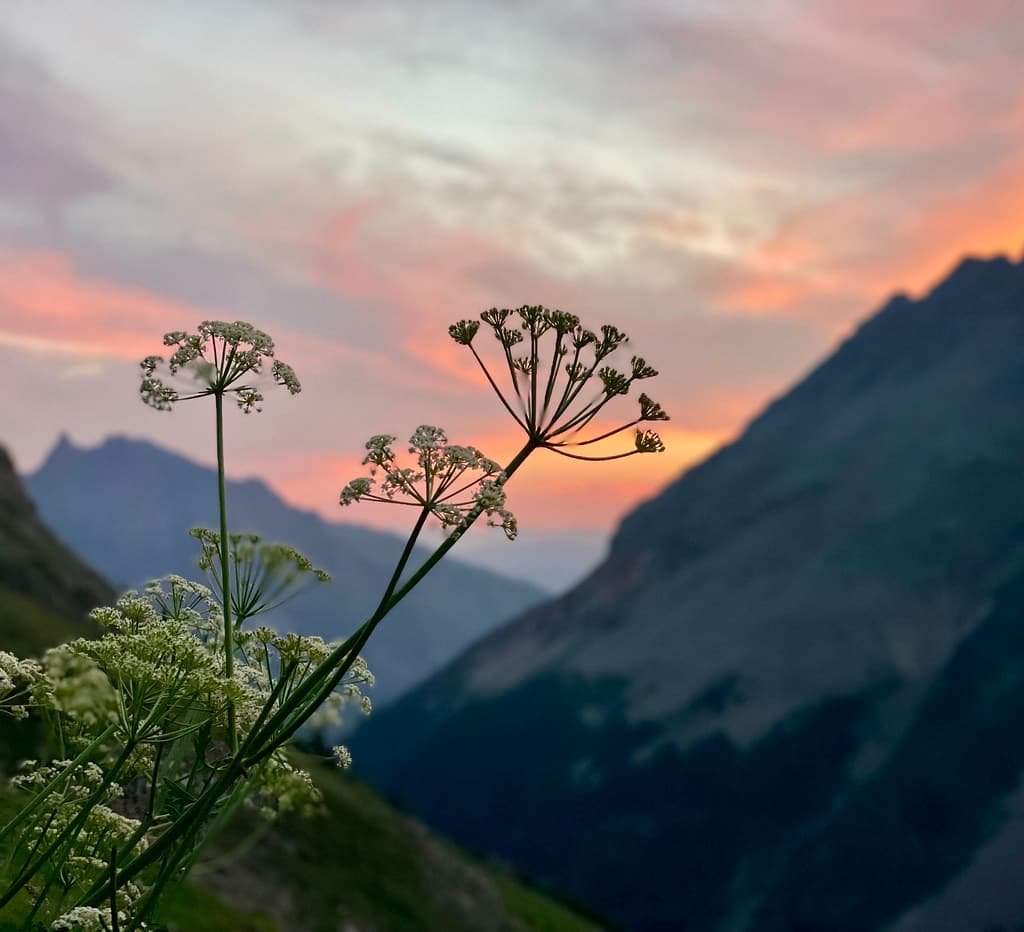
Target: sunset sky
(736, 185)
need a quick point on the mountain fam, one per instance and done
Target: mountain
(790, 698)
(45, 589)
(45, 593)
(128, 505)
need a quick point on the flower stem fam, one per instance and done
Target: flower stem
(267, 735)
(322, 682)
(42, 795)
(70, 833)
(225, 581)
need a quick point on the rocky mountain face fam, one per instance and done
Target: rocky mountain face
(45, 589)
(46, 592)
(791, 697)
(128, 505)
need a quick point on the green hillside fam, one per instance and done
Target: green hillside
(360, 865)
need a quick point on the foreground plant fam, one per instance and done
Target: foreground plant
(183, 710)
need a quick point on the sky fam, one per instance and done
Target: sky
(734, 185)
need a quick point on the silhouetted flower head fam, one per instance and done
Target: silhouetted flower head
(562, 377)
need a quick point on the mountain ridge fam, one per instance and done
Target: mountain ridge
(762, 640)
(130, 503)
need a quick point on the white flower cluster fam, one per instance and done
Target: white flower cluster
(79, 819)
(91, 919)
(158, 663)
(455, 483)
(283, 788)
(22, 685)
(153, 688)
(81, 691)
(218, 357)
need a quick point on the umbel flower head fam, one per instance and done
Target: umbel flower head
(451, 481)
(562, 378)
(221, 359)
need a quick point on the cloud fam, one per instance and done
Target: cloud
(735, 185)
(47, 130)
(44, 304)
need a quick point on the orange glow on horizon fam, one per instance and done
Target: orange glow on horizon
(549, 491)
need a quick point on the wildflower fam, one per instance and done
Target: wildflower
(220, 359)
(548, 381)
(342, 756)
(156, 652)
(283, 788)
(22, 685)
(83, 919)
(452, 482)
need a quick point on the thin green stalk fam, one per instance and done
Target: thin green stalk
(552, 378)
(533, 415)
(41, 898)
(497, 390)
(115, 925)
(39, 840)
(310, 684)
(256, 742)
(229, 634)
(168, 868)
(69, 833)
(569, 393)
(274, 740)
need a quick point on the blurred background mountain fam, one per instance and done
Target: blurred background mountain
(129, 504)
(790, 699)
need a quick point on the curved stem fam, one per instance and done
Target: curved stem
(293, 711)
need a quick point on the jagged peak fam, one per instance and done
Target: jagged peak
(66, 451)
(64, 448)
(973, 270)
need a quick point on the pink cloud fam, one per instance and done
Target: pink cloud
(44, 300)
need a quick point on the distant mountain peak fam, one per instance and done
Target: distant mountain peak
(128, 504)
(973, 271)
